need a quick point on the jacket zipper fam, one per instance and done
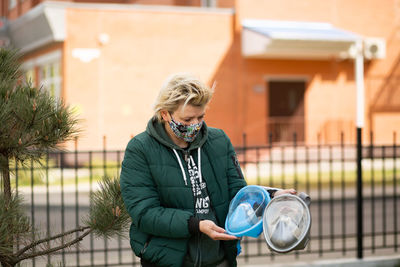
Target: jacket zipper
(145, 246)
(186, 155)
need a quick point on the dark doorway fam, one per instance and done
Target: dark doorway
(286, 110)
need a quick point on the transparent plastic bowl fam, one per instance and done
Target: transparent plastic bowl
(246, 210)
(286, 223)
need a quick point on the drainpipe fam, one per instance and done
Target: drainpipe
(359, 71)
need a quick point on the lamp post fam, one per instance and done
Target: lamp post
(359, 71)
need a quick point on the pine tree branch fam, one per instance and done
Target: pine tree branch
(33, 118)
(48, 251)
(17, 116)
(44, 240)
(6, 261)
(6, 182)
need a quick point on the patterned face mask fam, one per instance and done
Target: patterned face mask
(185, 132)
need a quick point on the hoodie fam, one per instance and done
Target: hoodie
(202, 250)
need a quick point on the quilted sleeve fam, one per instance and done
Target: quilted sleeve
(141, 198)
(235, 176)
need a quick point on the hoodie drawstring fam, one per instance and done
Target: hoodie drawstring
(183, 170)
(199, 166)
(180, 164)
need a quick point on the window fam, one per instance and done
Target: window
(49, 77)
(286, 110)
(47, 69)
(209, 3)
(12, 4)
(30, 76)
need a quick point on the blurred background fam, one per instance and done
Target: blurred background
(285, 94)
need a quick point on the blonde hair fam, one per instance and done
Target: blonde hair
(182, 88)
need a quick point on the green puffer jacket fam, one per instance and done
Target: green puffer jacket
(158, 200)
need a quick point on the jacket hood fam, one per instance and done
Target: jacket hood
(156, 129)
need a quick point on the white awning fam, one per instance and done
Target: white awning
(43, 25)
(299, 40)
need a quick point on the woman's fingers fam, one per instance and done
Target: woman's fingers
(285, 191)
(218, 229)
(214, 231)
(292, 191)
(223, 236)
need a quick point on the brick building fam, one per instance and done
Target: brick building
(280, 66)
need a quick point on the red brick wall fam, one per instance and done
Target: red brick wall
(115, 92)
(330, 96)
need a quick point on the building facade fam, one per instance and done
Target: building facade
(280, 67)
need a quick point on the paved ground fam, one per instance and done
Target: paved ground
(327, 222)
(382, 261)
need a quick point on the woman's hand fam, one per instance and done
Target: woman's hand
(214, 231)
(285, 191)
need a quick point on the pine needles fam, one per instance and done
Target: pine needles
(32, 123)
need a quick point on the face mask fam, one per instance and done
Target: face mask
(185, 132)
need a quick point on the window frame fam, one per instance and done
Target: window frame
(38, 64)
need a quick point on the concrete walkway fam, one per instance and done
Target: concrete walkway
(383, 261)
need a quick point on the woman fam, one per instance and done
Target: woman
(177, 180)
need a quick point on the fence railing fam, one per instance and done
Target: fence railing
(57, 195)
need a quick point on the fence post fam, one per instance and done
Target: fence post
(76, 165)
(105, 175)
(395, 191)
(359, 196)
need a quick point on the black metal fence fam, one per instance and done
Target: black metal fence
(57, 194)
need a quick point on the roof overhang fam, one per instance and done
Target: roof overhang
(43, 25)
(296, 40)
(46, 23)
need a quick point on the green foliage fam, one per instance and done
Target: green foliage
(24, 173)
(10, 69)
(31, 124)
(32, 121)
(328, 178)
(108, 216)
(25, 178)
(15, 225)
(110, 168)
